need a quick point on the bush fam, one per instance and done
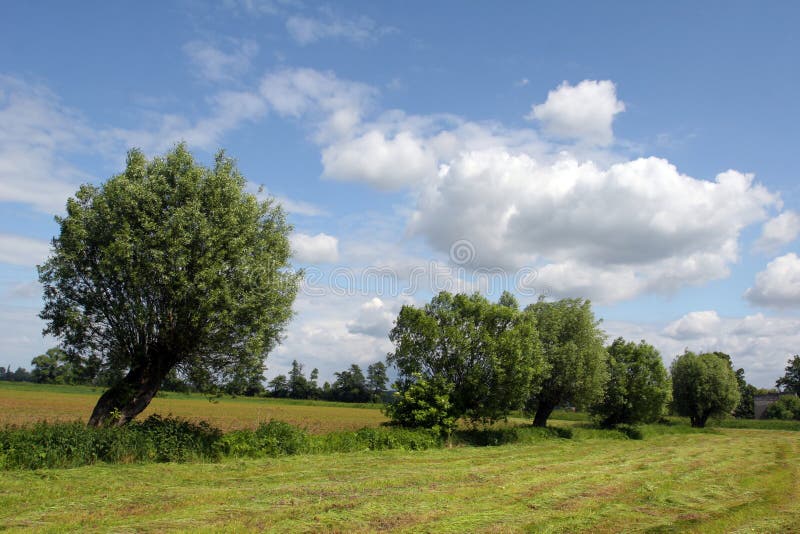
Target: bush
(424, 403)
(159, 439)
(786, 408)
(178, 440)
(277, 438)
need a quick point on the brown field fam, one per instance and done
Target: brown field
(27, 403)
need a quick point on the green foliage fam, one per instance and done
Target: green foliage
(787, 407)
(299, 385)
(488, 352)
(156, 439)
(703, 386)
(790, 382)
(169, 264)
(376, 380)
(350, 386)
(575, 368)
(747, 395)
(638, 386)
(424, 402)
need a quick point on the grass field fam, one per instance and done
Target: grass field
(721, 481)
(676, 479)
(22, 403)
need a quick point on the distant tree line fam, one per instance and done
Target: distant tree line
(351, 385)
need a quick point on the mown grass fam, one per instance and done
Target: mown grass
(22, 403)
(718, 481)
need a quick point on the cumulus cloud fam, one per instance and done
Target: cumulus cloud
(777, 286)
(319, 248)
(375, 319)
(18, 250)
(779, 231)
(590, 221)
(380, 162)
(216, 64)
(583, 112)
(605, 233)
(694, 325)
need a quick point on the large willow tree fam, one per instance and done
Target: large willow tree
(169, 265)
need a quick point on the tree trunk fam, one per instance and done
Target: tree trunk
(543, 412)
(699, 421)
(130, 396)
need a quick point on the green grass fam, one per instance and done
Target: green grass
(721, 481)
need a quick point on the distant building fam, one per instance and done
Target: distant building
(763, 401)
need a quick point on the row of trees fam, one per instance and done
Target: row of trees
(351, 385)
(462, 356)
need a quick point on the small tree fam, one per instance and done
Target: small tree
(790, 382)
(575, 359)
(703, 386)
(488, 352)
(169, 264)
(424, 403)
(638, 386)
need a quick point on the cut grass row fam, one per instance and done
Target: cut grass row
(721, 481)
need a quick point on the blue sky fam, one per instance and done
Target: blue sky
(639, 154)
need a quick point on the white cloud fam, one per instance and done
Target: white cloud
(591, 221)
(319, 248)
(218, 65)
(605, 233)
(18, 250)
(384, 163)
(375, 319)
(308, 30)
(228, 110)
(777, 286)
(37, 134)
(583, 112)
(336, 105)
(779, 231)
(694, 325)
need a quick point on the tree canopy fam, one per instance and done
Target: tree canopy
(638, 386)
(486, 354)
(703, 386)
(574, 355)
(169, 264)
(790, 382)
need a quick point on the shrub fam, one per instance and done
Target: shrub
(160, 439)
(424, 403)
(786, 408)
(278, 438)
